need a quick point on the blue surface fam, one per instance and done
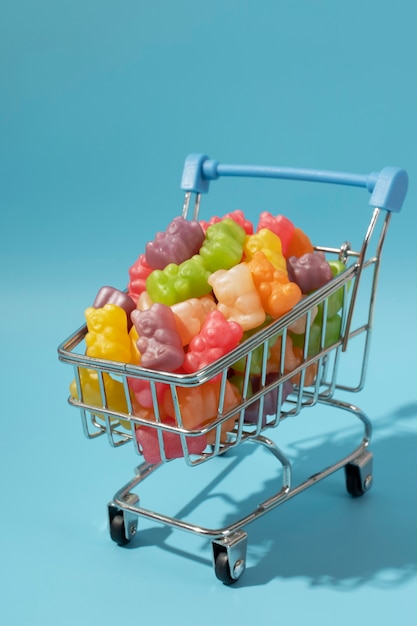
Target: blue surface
(100, 103)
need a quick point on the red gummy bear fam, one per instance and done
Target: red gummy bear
(217, 337)
(138, 273)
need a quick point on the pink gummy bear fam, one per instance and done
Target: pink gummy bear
(280, 225)
(141, 389)
(147, 438)
(216, 338)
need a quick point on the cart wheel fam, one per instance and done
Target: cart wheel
(222, 569)
(118, 530)
(229, 556)
(359, 476)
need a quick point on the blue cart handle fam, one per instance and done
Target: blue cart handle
(387, 187)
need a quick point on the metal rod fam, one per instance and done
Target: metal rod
(284, 494)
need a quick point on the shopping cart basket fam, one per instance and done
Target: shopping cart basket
(315, 380)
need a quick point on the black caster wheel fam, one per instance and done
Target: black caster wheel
(118, 530)
(229, 556)
(222, 569)
(358, 475)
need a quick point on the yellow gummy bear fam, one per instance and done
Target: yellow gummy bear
(270, 244)
(107, 336)
(133, 338)
(91, 394)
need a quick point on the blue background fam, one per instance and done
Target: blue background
(100, 103)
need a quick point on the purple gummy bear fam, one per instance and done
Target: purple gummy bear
(310, 271)
(270, 399)
(111, 295)
(159, 343)
(180, 241)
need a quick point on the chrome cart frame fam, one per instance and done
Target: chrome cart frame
(387, 190)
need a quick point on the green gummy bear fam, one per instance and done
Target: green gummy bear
(176, 283)
(332, 335)
(223, 245)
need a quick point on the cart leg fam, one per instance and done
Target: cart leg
(122, 523)
(358, 474)
(229, 556)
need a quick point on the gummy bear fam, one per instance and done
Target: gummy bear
(280, 225)
(223, 245)
(238, 216)
(270, 244)
(237, 296)
(190, 315)
(176, 283)
(216, 338)
(150, 446)
(159, 343)
(310, 271)
(115, 396)
(107, 336)
(254, 411)
(181, 240)
(199, 407)
(138, 273)
(111, 295)
(278, 295)
(299, 244)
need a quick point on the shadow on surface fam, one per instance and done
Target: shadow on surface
(325, 536)
(333, 540)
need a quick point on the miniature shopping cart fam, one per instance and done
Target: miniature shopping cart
(269, 401)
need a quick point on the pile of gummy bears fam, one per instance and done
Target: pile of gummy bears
(197, 291)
